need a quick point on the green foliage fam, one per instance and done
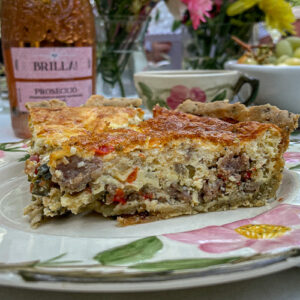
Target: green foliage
(294, 2)
(176, 24)
(211, 44)
(157, 15)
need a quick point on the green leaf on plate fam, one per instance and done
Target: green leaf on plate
(220, 96)
(181, 264)
(25, 157)
(55, 261)
(7, 147)
(295, 133)
(146, 90)
(295, 167)
(136, 251)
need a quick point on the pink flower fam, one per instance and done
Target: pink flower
(198, 10)
(1, 154)
(218, 4)
(24, 146)
(292, 157)
(180, 93)
(271, 230)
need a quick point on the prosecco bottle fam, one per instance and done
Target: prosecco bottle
(49, 52)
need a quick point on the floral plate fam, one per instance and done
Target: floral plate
(90, 253)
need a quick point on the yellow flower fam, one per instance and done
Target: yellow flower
(278, 13)
(240, 6)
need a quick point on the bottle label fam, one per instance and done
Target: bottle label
(52, 63)
(73, 92)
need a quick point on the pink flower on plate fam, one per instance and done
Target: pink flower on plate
(2, 154)
(180, 93)
(292, 157)
(198, 10)
(271, 230)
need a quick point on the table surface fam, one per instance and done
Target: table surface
(283, 285)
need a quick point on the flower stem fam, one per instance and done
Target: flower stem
(121, 86)
(120, 83)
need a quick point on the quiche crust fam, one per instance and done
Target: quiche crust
(267, 113)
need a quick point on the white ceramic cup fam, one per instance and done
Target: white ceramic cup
(170, 88)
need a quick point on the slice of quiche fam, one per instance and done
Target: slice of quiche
(107, 159)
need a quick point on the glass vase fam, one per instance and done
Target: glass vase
(119, 54)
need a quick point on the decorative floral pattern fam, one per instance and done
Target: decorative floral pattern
(180, 93)
(277, 228)
(292, 157)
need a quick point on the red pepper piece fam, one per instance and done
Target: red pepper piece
(148, 196)
(119, 196)
(221, 176)
(133, 175)
(103, 150)
(247, 175)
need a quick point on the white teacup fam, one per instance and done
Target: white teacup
(170, 88)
